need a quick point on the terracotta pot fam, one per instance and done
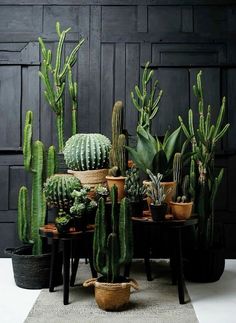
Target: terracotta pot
(111, 297)
(181, 211)
(90, 177)
(119, 182)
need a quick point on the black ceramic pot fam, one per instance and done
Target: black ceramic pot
(80, 222)
(136, 208)
(204, 266)
(158, 211)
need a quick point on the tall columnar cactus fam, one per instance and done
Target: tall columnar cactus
(73, 90)
(204, 140)
(87, 151)
(118, 154)
(58, 189)
(52, 161)
(146, 101)
(177, 170)
(29, 220)
(55, 86)
(113, 242)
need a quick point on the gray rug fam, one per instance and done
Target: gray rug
(156, 301)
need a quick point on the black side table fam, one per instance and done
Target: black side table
(49, 231)
(176, 227)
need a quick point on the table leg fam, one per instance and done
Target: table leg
(66, 270)
(74, 269)
(179, 263)
(53, 264)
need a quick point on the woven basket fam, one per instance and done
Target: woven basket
(90, 177)
(111, 297)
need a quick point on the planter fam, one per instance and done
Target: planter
(205, 266)
(119, 182)
(33, 272)
(90, 178)
(158, 211)
(181, 211)
(111, 297)
(136, 208)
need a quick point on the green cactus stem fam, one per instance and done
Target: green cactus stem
(113, 242)
(52, 161)
(22, 218)
(55, 86)
(73, 90)
(146, 101)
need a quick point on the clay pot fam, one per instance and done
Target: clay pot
(181, 211)
(119, 182)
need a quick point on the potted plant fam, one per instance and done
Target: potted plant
(54, 79)
(206, 262)
(134, 191)
(118, 156)
(181, 207)
(58, 193)
(156, 192)
(101, 190)
(112, 247)
(87, 157)
(31, 263)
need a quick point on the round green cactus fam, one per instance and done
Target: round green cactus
(58, 189)
(87, 151)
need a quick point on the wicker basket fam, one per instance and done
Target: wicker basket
(90, 177)
(111, 297)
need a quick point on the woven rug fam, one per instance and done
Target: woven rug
(156, 301)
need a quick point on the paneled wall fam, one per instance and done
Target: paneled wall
(178, 37)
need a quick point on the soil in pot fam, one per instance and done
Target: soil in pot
(158, 211)
(33, 272)
(205, 266)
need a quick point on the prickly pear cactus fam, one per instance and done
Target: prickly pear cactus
(58, 189)
(87, 151)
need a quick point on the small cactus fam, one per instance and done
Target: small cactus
(155, 190)
(87, 151)
(134, 191)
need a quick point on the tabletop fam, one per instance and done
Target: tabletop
(50, 231)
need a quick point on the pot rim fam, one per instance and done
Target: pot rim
(115, 177)
(181, 203)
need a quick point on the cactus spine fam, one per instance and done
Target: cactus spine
(118, 155)
(112, 244)
(29, 221)
(87, 151)
(54, 90)
(204, 141)
(146, 102)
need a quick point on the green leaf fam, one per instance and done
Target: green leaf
(135, 157)
(170, 144)
(160, 163)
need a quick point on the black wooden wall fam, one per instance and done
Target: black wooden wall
(178, 37)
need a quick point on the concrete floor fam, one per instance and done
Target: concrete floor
(215, 302)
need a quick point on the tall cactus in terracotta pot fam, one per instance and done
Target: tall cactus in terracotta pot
(31, 218)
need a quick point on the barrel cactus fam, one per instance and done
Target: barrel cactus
(87, 151)
(58, 189)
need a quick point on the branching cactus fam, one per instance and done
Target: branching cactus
(146, 101)
(204, 139)
(134, 191)
(155, 191)
(118, 154)
(30, 219)
(87, 151)
(58, 191)
(55, 85)
(113, 242)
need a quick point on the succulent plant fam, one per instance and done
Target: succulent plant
(146, 101)
(101, 191)
(82, 203)
(114, 171)
(155, 191)
(134, 191)
(113, 242)
(87, 151)
(30, 219)
(55, 85)
(58, 189)
(63, 223)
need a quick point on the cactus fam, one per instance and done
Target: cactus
(87, 151)
(155, 190)
(146, 102)
(52, 161)
(134, 191)
(73, 90)
(29, 220)
(113, 242)
(177, 170)
(204, 140)
(118, 155)
(58, 189)
(82, 203)
(55, 87)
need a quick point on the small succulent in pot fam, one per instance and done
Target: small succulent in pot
(134, 191)
(101, 191)
(63, 223)
(82, 208)
(156, 192)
